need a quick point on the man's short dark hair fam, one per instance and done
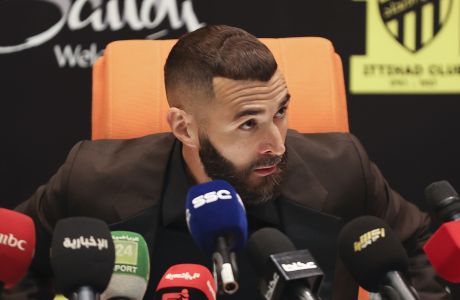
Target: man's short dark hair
(215, 51)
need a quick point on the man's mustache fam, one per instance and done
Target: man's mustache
(268, 161)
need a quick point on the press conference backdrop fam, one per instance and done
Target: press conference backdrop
(401, 62)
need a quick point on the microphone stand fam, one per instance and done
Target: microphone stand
(225, 269)
(395, 288)
(297, 291)
(85, 293)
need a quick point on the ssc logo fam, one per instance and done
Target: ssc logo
(211, 197)
(414, 23)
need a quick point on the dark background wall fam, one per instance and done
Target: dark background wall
(45, 106)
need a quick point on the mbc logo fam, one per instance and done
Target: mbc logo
(11, 241)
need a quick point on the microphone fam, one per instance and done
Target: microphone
(443, 201)
(17, 246)
(132, 267)
(186, 281)
(82, 257)
(286, 273)
(443, 247)
(375, 257)
(216, 219)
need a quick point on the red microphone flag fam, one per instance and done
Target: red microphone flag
(189, 276)
(443, 251)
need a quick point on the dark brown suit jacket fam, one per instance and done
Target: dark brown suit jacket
(328, 175)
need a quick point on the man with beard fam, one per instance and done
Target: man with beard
(228, 104)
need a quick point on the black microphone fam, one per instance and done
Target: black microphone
(82, 256)
(443, 201)
(442, 248)
(286, 273)
(375, 257)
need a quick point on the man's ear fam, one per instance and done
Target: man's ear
(183, 126)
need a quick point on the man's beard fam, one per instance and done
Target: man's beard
(218, 167)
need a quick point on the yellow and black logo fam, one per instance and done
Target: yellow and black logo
(414, 23)
(412, 46)
(368, 238)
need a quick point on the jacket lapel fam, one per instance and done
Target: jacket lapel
(157, 150)
(300, 185)
(303, 220)
(142, 213)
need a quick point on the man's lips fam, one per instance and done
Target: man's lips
(265, 171)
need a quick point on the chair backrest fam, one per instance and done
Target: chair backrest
(129, 98)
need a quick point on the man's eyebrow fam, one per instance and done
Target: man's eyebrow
(285, 101)
(256, 111)
(248, 112)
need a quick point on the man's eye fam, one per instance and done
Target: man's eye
(249, 124)
(281, 113)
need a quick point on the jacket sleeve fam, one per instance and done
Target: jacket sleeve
(409, 223)
(46, 206)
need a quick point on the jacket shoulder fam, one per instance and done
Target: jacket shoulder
(126, 175)
(328, 145)
(338, 162)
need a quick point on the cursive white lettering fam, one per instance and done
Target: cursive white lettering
(106, 15)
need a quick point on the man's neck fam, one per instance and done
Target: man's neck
(194, 165)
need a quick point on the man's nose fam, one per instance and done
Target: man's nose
(273, 142)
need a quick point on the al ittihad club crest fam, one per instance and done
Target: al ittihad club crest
(414, 23)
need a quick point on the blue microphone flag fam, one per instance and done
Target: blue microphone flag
(214, 209)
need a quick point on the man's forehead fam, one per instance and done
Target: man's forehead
(230, 90)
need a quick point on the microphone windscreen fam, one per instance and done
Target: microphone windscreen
(214, 209)
(442, 200)
(190, 279)
(132, 267)
(370, 249)
(265, 242)
(17, 246)
(82, 254)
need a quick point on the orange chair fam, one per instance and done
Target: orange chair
(129, 98)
